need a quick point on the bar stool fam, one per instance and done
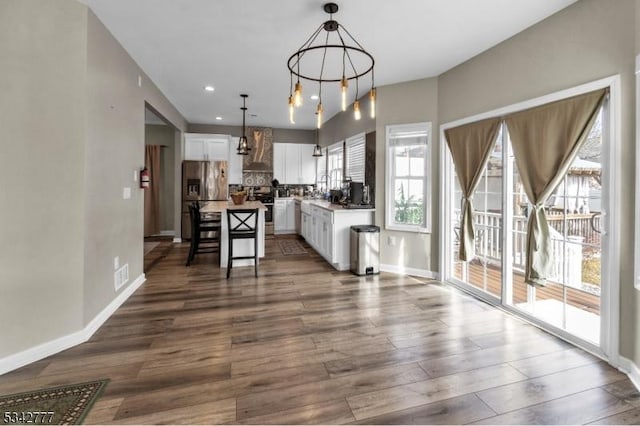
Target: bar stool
(243, 224)
(200, 244)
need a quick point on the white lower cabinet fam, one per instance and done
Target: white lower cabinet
(329, 232)
(284, 221)
(305, 218)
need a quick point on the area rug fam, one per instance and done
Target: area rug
(60, 405)
(291, 247)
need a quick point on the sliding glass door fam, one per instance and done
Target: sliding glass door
(570, 302)
(571, 298)
(484, 272)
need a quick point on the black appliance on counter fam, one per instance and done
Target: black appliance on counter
(356, 193)
(335, 196)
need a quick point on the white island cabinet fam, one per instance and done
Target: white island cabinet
(327, 228)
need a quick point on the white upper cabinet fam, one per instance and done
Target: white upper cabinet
(279, 161)
(307, 164)
(294, 164)
(205, 147)
(235, 162)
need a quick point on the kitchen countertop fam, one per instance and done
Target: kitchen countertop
(327, 205)
(221, 206)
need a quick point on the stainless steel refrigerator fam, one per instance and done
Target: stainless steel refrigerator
(202, 181)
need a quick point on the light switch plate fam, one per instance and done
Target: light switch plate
(126, 193)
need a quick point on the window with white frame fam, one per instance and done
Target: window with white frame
(335, 164)
(322, 182)
(407, 177)
(356, 158)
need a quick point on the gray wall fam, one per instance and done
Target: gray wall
(115, 151)
(42, 173)
(163, 135)
(411, 102)
(637, 27)
(279, 135)
(343, 125)
(77, 137)
(587, 41)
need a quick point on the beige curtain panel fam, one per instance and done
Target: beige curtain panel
(545, 141)
(470, 147)
(152, 193)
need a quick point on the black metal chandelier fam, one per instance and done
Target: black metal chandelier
(243, 143)
(341, 58)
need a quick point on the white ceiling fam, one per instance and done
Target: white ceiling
(242, 46)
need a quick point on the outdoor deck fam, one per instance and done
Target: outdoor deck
(576, 298)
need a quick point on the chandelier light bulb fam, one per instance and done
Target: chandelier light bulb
(319, 113)
(356, 110)
(291, 108)
(372, 102)
(344, 84)
(297, 95)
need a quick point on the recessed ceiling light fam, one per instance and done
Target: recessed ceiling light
(218, 118)
(209, 88)
(314, 97)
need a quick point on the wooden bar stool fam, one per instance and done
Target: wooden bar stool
(200, 244)
(243, 224)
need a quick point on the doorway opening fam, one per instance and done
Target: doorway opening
(159, 206)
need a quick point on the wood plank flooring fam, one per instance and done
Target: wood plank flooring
(304, 344)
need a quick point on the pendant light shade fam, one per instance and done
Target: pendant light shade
(317, 150)
(243, 143)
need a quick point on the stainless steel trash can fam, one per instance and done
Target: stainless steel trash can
(365, 249)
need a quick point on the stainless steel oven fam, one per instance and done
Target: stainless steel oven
(267, 200)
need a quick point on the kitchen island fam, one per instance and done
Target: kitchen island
(327, 228)
(240, 247)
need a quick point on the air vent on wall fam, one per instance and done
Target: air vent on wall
(121, 276)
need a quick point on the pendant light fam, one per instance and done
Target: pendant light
(317, 150)
(243, 144)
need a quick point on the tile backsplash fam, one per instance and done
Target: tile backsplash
(257, 178)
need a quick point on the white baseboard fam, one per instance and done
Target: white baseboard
(167, 233)
(396, 269)
(630, 369)
(36, 353)
(177, 239)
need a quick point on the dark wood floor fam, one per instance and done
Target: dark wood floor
(305, 344)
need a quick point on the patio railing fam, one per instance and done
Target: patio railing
(567, 255)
